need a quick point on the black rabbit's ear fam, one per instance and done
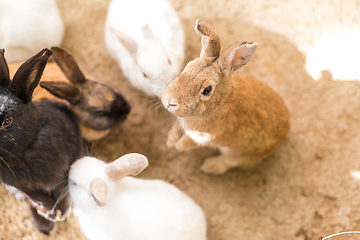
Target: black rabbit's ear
(4, 71)
(27, 77)
(64, 90)
(68, 65)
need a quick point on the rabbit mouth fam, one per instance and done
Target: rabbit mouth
(170, 105)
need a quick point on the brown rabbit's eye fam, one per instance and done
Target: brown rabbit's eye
(207, 90)
(7, 121)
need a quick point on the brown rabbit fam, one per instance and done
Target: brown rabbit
(215, 107)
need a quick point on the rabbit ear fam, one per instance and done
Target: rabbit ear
(210, 40)
(98, 189)
(237, 56)
(128, 165)
(4, 70)
(130, 44)
(63, 90)
(27, 77)
(68, 65)
(147, 32)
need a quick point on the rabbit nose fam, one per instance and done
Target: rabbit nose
(170, 103)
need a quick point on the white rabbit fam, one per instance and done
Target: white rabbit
(146, 39)
(110, 205)
(27, 26)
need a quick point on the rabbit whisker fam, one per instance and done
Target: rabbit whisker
(171, 126)
(151, 101)
(3, 160)
(156, 104)
(60, 198)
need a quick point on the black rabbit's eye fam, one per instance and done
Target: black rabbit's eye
(207, 90)
(7, 121)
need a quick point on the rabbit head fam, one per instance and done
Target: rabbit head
(17, 114)
(143, 55)
(90, 177)
(98, 106)
(205, 82)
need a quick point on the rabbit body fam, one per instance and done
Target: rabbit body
(27, 26)
(146, 39)
(38, 141)
(135, 209)
(215, 107)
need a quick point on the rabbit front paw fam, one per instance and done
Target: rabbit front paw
(185, 143)
(170, 141)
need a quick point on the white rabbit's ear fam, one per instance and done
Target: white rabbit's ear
(210, 40)
(4, 70)
(235, 57)
(98, 190)
(147, 32)
(130, 44)
(128, 165)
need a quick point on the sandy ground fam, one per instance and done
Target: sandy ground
(307, 190)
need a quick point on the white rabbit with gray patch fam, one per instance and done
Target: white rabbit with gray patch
(110, 205)
(146, 39)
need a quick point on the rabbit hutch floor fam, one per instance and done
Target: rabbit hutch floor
(308, 189)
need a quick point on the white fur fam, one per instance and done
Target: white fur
(135, 209)
(27, 26)
(152, 56)
(199, 137)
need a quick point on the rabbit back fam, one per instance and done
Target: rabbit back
(159, 209)
(29, 25)
(162, 58)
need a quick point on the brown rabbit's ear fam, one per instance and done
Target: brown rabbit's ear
(68, 65)
(27, 77)
(98, 189)
(210, 40)
(63, 90)
(4, 70)
(127, 165)
(235, 57)
(130, 44)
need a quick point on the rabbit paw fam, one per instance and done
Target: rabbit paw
(170, 142)
(215, 165)
(185, 143)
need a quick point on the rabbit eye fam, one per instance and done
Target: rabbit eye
(145, 75)
(7, 122)
(207, 90)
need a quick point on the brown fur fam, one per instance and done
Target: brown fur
(244, 118)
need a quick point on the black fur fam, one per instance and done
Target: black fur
(40, 143)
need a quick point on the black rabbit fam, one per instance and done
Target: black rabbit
(38, 141)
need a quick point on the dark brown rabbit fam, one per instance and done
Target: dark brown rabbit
(38, 141)
(99, 106)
